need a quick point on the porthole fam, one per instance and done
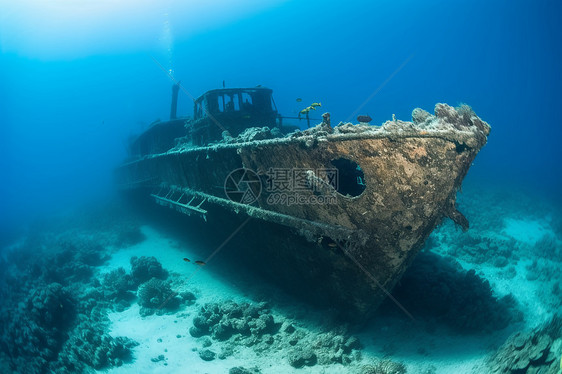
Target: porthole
(351, 179)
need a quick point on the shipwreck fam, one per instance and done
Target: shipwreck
(334, 214)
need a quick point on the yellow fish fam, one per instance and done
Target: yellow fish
(314, 105)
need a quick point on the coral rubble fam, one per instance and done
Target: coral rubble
(53, 317)
(145, 268)
(537, 351)
(233, 325)
(156, 296)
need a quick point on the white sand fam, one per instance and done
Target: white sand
(525, 231)
(158, 335)
(438, 351)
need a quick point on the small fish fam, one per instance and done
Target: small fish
(299, 99)
(186, 259)
(200, 263)
(305, 111)
(332, 245)
(314, 105)
(364, 119)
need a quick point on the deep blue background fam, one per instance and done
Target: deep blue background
(64, 122)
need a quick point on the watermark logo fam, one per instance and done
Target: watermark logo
(283, 186)
(243, 186)
(283, 198)
(293, 186)
(301, 179)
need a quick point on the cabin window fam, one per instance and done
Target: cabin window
(199, 112)
(262, 101)
(351, 179)
(221, 103)
(247, 101)
(229, 103)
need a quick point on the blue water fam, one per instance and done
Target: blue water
(77, 80)
(70, 96)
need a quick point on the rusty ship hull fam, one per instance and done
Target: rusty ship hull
(343, 251)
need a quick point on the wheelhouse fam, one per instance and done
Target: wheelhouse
(232, 110)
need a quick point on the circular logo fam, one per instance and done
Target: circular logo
(242, 186)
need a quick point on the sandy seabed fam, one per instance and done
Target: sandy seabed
(513, 246)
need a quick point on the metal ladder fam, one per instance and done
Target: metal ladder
(178, 200)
